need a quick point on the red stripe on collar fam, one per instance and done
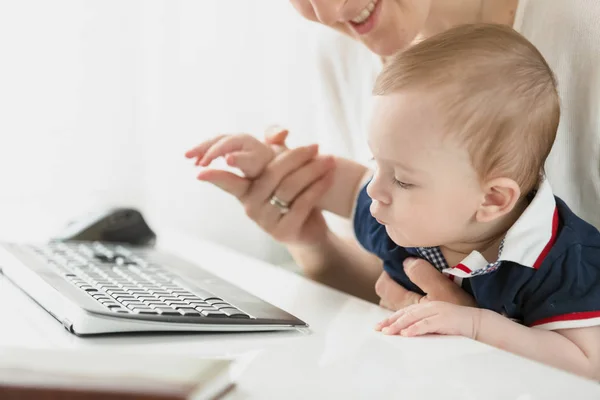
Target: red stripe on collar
(544, 253)
(527, 242)
(462, 267)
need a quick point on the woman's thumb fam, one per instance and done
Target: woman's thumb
(227, 181)
(426, 276)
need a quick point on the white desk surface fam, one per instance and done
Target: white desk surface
(339, 356)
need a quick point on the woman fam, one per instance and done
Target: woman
(567, 33)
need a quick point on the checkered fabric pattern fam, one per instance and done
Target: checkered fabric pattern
(436, 258)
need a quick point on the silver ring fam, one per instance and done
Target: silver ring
(283, 206)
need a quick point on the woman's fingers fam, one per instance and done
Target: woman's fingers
(284, 164)
(251, 163)
(298, 181)
(292, 222)
(227, 181)
(198, 151)
(437, 286)
(393, 296)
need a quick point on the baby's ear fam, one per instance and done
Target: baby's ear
(501, 195)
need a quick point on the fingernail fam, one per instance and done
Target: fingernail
(385, 330)
(409, 262)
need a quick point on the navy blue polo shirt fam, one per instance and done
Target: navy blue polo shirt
(547, 274)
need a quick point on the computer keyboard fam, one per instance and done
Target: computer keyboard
(100, 287)
(126, 283)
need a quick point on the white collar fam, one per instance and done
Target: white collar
(527, 242)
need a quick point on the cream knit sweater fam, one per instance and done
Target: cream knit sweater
(567, 32)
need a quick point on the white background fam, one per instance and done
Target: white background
(100, 99)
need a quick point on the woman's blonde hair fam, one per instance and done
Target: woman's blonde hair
(497, 93)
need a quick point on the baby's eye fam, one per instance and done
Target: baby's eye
(403, 185)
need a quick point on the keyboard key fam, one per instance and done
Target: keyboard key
(198, 303)
(125, 298)
(115, 293)
(206, 307)
(186, 309)
(101, 299)
(214, 314)
(168, 311)
(190, 313)
(234, 313)
(177, 304)
(132, 306)
(146, 297)
(166, 298)
(221, 305)
(181, 292)
(144, 310)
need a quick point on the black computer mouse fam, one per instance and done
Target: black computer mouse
(118, 225)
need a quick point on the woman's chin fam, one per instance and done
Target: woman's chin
(384, 44)
(382, 48)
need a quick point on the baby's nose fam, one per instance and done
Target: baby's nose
(378, 194)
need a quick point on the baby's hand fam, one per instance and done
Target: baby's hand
(433, 317)
(241, 151)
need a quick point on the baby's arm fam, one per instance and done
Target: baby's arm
(576, 350)
(251, 156)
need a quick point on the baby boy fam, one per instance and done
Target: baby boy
(461, 128)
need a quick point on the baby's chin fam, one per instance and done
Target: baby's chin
(401, 239)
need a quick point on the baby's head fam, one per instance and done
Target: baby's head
(462, 126)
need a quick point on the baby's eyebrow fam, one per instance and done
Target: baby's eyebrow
(404, 167)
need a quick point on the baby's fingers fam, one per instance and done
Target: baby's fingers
(250, 163)
(233, 144)
(389, 321)
(198, 151)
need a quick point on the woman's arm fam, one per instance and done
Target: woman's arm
(340, 263)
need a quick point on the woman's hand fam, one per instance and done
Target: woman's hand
(437, 286)
(298, 178)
